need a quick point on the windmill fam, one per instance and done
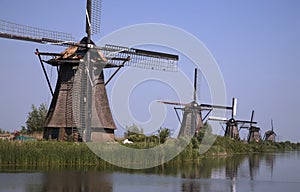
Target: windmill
(232, 125)
(270, 135)
(192, 120)
(253, 131)
(79, 108)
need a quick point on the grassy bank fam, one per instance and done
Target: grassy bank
(229, 146)
(56, 154)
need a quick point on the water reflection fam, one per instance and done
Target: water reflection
(60, 181)
(256, 172)
(219, 169)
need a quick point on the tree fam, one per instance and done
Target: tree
(134, 133)
(163, 134)
(206, 129)
(23, 129)
(133, 130)
(36, 118)
(2, 131)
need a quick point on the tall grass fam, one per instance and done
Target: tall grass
(60, 154)
(43, 153)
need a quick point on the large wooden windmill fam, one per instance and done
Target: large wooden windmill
(79, 108)
(232, 124)
(192, 120)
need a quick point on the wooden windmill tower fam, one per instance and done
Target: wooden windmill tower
(232, 125)
(192, 120)
(79, 108)
(253, 131)
(270, 135)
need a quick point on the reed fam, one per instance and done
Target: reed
(43, 153)
(60, 154)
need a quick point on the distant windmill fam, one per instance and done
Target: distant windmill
(253, 131)
(192, 120)
(270, 135)
(79, 108)
(232, 125)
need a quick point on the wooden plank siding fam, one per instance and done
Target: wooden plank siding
(60, 122)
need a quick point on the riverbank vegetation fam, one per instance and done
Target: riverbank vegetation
(41, 153)
(59, 154)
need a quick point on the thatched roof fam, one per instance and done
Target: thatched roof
(270, 132)
(73, 54)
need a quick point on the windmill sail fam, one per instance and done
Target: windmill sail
(140, 58)
(195, 85)
(96, 10)
(15, 31)
(93, 16)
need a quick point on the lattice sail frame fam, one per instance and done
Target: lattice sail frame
(140, 58)
(14, 29)
(96, 10)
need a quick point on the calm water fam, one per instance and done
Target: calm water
(257, 172)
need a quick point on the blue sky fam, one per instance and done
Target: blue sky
(255, 43)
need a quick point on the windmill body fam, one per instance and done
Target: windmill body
(253, 131)
(270, 135)
(191, 120)
(253, 134)
(232, 130)
(63, 121)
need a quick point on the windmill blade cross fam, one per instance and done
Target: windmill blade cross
(138, 57)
